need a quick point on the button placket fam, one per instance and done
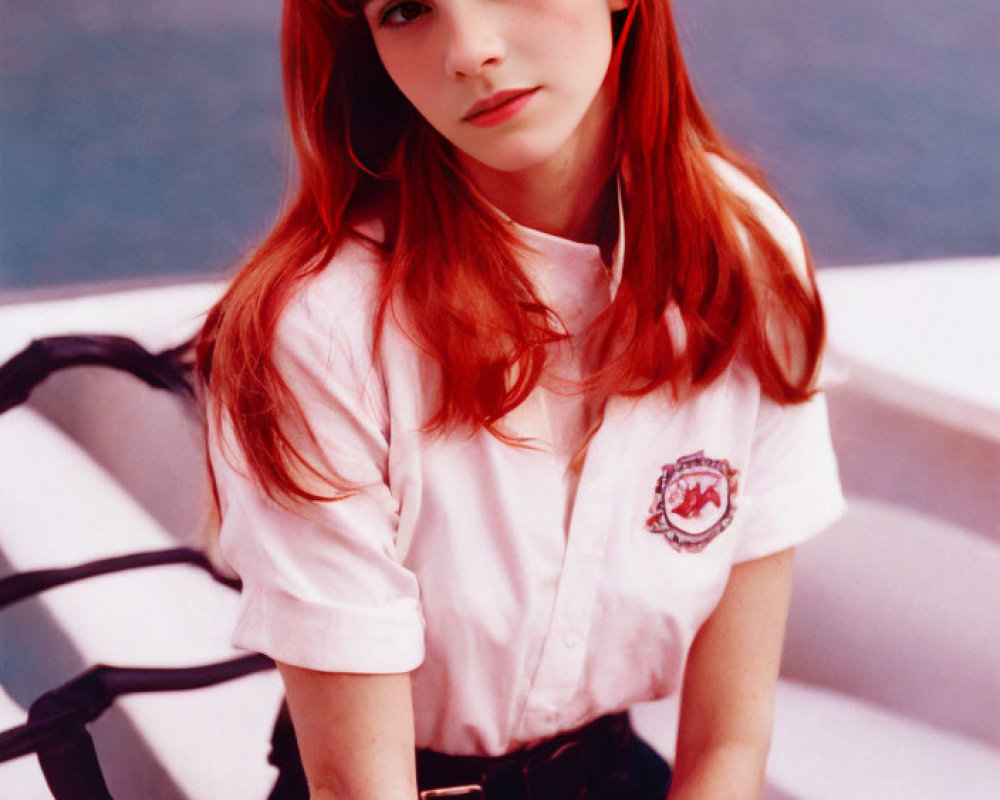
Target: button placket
(563, 655)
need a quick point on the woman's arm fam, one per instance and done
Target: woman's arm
(727, 705)
(355, 733)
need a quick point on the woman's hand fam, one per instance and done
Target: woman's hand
(355, 733)
(727, 705)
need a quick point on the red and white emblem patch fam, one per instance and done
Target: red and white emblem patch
(693, 501)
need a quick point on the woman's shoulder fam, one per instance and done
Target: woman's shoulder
(766, 208)
(340, 299)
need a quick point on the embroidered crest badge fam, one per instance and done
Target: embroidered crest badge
(693, 501)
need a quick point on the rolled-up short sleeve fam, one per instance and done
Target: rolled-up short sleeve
(322, 585)
(791, 488)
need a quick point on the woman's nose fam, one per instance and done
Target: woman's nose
(473, 40)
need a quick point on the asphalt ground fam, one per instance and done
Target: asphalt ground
(144, 140)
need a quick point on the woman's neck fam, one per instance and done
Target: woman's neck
(572, 195)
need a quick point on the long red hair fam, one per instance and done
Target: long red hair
(362, 151)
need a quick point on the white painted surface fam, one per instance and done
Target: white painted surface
(156, 317)
(832, 746)
(923, 335)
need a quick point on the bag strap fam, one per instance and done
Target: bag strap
(169, 369)
(25, 584)
(56, 727)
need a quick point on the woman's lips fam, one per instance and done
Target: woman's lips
(498, 107)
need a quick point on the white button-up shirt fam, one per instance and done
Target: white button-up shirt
(526, 598)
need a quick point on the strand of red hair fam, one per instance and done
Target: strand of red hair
(451, 274)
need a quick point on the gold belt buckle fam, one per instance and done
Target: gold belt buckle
(471, 790)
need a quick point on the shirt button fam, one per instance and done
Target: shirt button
(572, 639)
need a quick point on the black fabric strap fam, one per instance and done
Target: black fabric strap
(169, 369)
(56, 726)
(88, 695)
(25, 584)
(56, 719)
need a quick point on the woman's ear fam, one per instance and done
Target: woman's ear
(618, 5)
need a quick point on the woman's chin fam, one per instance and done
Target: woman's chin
(513, 157)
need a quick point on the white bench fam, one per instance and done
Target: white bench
(890, 683)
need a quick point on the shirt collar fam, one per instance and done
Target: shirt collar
(614, 269)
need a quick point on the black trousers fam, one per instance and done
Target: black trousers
(643, 776)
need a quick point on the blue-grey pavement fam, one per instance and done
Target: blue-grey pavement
(145, 138)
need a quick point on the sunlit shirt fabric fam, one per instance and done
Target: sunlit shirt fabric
(531, 599)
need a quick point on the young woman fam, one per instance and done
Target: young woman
(514, 419)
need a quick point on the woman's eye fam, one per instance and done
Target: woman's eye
(402, 13)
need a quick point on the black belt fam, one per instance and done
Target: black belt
(565, 767)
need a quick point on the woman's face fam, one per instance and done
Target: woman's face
(512, 84)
